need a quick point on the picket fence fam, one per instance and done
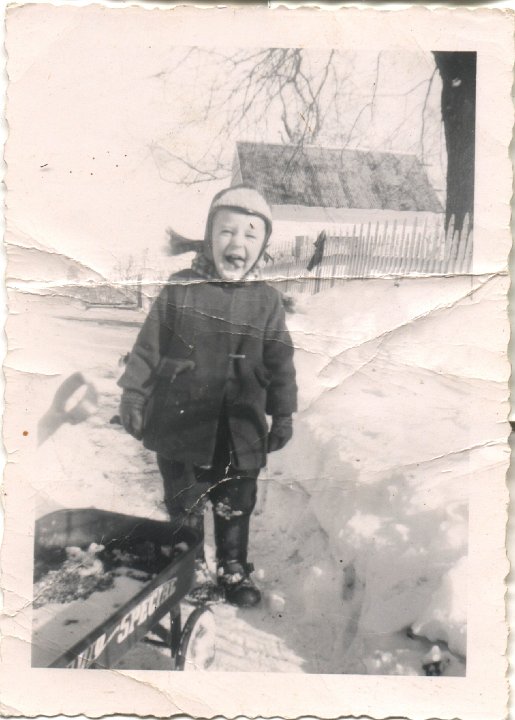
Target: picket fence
(367, 250)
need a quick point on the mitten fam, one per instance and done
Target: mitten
(131, 413)
(280, 432)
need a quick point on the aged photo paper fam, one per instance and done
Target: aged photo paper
(257, 377)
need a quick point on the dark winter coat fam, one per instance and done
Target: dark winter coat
(242, 366)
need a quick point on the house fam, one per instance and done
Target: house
(313, 188)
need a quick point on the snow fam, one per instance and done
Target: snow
(445, 617)
(359, 536)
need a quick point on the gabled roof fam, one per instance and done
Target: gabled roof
(329, 177)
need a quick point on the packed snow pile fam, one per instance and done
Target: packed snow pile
(445, 618)
(388, 424)
(359, 537)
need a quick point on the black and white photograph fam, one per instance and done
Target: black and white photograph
(262, 350)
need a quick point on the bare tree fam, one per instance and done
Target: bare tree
(283, 76)
(282, 91)
(300, 96)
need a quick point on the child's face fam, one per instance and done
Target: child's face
(236, 242)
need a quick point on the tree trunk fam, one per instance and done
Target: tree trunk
(458, 73)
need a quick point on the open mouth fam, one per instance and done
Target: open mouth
(234, 260)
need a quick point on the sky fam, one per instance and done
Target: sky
(99, 110)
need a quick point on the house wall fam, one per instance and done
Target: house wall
(291, 221)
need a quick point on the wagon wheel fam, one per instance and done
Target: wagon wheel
(197, 645)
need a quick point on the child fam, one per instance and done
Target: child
(212, 359)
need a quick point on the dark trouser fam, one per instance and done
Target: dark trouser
(232, 493)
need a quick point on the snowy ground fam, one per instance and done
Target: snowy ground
(360, 531)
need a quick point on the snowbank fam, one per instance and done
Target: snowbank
(360, 532)
(445, 618)
(387, 427)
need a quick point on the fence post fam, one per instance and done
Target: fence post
(435, 250)
(317, 277)
(365, 259)
(352, 252)
(362, 251)
(381, 265)
(373, 251)
(410, 248)
(426, 248)
(397, 249)
(414, 245)
(335, 261)
(139, 292)
(341, 256)
(463, 247)
(402, 250)
(449, 248)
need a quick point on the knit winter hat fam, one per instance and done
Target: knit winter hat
(240, 198)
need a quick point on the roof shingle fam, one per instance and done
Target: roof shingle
(314, 176)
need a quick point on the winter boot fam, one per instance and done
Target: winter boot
(237, 585)
(233, 571)
(204, 590)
